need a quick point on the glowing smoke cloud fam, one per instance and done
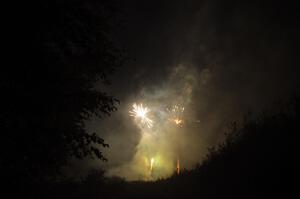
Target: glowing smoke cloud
(164, 133)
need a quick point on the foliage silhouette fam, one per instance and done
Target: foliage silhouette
(58, 50)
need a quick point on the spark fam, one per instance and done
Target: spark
(176, 115)
(141, 113)
(177, 109)
(178, 121)
(178, 166)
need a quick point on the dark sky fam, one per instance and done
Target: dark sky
(250, 44)
(220, 59)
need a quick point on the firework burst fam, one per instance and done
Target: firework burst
(176, 113)
(140, 113)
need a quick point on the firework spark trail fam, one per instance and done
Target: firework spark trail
(141, 113)
(151, 164)
(178, 166)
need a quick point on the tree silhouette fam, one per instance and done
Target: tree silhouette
(57, 51)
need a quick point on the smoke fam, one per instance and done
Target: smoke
(165, 141)
(217, 59)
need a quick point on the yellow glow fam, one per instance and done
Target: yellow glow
(152, 161)
(151, 164)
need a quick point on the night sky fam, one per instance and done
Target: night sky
(218, 59)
